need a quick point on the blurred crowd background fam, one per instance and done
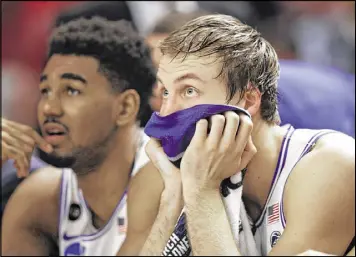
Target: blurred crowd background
(318, 32)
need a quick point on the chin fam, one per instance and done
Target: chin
(62, 152)
(57, 158)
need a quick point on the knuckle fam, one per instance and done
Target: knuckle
(232, 115)
(247, 121)
(12, 151)
(202, 122)
(211, 148)
(31, 142)
(224, 148)
(218, 118)
(28, 149)
(28, 130)
(22, 154)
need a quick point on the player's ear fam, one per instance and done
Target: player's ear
(252, 100)
(127, 107)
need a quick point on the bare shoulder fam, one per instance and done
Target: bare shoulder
(319, 196)
(36, 199)
(144, 196)
(331, 159)
(341, 145)
(29, 225)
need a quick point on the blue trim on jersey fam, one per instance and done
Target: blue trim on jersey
(306, 150)
(61, 205)
(279, 167)
(103, 230)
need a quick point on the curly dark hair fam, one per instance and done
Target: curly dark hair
(124, 59)
(246, 57)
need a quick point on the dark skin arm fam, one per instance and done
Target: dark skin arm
(30, 219)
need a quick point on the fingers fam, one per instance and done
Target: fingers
(244, 131)
(27, 135)
(217, 128)
(248, 154)
(244, 145)
(22, 162)
(151, 148)
(157, 156)
(41, 143)
(201, 131)
(16, 141)
(16, 149)
(232, 121)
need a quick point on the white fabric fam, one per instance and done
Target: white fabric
(79, 237)
(237, 215)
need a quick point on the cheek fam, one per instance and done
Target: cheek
(90, 123)
(40, 115)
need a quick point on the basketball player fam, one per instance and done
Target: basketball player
(322, 83)
(96, 82)
(299, 188)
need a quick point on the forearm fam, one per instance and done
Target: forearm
(163, 227)
(208, 225)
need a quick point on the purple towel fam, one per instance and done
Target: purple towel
(175, 131)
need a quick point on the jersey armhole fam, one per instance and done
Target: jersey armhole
(62, 203)
(309, 147)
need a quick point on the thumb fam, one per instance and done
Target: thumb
(248, 153)
(155, 152)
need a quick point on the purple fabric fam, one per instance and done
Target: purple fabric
(316, 97)
(175, 131)
(35, 164)
(8, 173)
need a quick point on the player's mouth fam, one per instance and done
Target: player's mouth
(54, 133)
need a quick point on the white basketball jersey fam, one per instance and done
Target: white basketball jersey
(77, 235)
(271, 224)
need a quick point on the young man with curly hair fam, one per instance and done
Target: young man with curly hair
(95, 84)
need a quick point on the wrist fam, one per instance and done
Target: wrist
(199, 185)
(172, 197)
(193, 193)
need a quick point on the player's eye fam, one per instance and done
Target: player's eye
(190, 92)
(165, 93)
(72, 91)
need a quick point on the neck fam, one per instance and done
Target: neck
(268, 140)
(103, 187)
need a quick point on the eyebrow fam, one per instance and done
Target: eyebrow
(183, 77)
(188, 76)
(43, 77)
(68, 75)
